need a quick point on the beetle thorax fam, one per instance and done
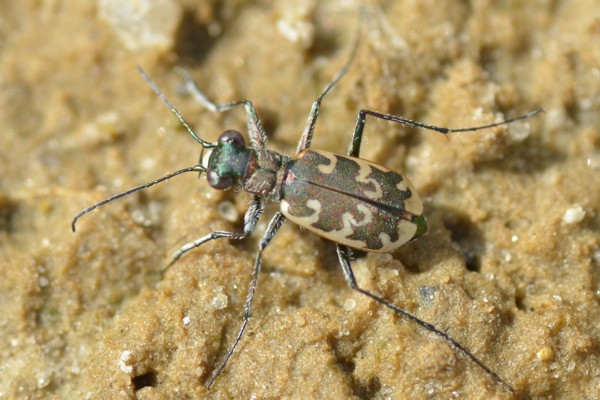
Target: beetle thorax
(264, 174)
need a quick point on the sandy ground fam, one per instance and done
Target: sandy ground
(510, 266)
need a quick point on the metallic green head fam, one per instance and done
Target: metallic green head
(228, 161)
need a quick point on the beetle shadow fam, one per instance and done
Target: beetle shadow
(432, 249)
(465, 235)
(193, 39)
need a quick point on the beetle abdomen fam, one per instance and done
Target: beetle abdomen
(351, 201)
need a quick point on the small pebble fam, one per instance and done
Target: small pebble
(574, 214)
(143, 24)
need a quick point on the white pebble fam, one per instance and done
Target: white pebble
(219, 302)
(143, 24)
(574, 214)
(349, 305)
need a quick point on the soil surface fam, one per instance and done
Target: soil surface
(509, 268)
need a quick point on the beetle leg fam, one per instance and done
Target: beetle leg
(256, 133)
(311, 121)
(349, 276)
(250, 220)
(354, 147)
(272, 229)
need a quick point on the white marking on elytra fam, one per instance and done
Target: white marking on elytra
(413, 204)
(368, 216)
(406, 231)
(350, 222)
(329, 168)
(341, 235)
(401, 186)
(313, 204)
(363, 172)
(386, 241)
(316, 206)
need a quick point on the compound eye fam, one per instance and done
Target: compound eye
(218, 182)
(232, 136)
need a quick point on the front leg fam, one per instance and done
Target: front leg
(250, 220)
(256, 133)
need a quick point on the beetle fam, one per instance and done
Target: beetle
(350, 201)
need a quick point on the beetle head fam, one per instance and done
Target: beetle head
(228, 161)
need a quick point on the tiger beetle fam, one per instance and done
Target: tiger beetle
(352, 202)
